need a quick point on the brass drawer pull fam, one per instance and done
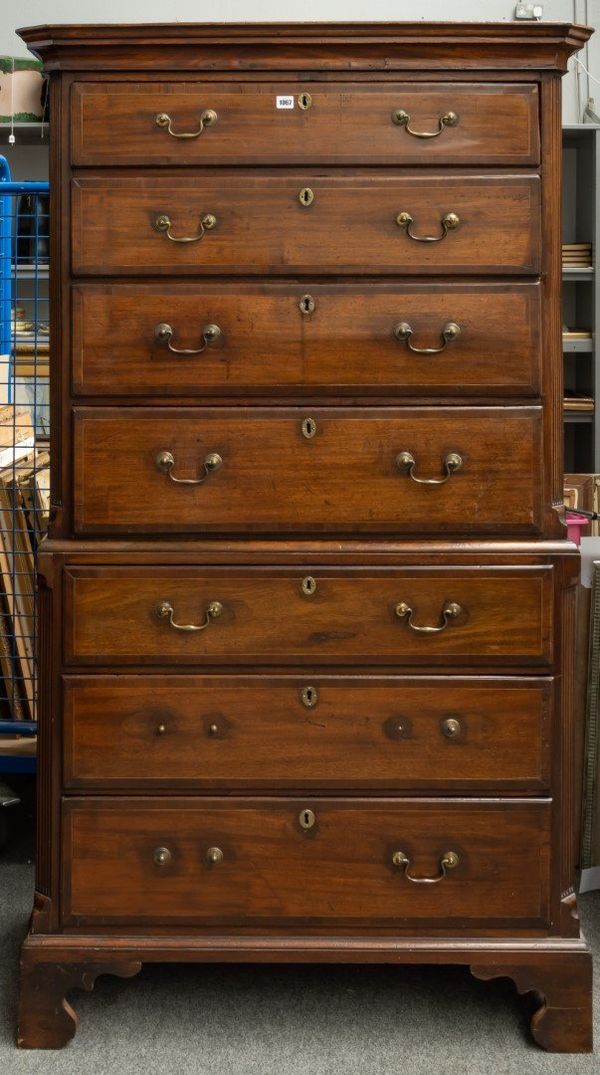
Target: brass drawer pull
(162, 856)
(448, 861)
(163, 224)
(449, 333)
(164, 334)
(165, 610)
(451, 728)
(406, 462)
(165, 461)
(402, 119)
(214, 856)
(450, 612)
(207, 119)
(449, 222)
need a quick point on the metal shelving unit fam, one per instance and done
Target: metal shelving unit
(581, 294)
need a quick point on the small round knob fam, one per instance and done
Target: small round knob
(453, 609)
(451, 220)
(403, 220)
(451, 728)
(214, 610)
(399, 858)
(165, 460)
(403, 331)
(162, 856)
(162, 729)
(214, 855)
(211, 333)
(451, 331)
(213, 461)
(209, 220)
(213, 729)
(209, 116)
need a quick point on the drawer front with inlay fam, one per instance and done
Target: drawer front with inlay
(235, 616)
(277, 732)
(311, 861)
(235, 223)
(291, 470)
(288, 122)
(398, 339)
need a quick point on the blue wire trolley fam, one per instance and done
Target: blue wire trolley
(24, 455)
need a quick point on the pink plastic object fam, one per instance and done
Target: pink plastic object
(575, 524)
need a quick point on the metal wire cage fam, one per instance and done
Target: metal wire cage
(24, 454)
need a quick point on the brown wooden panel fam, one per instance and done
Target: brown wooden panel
(345, 478)
(111, 616)
(272, 871)
(346, 123)
(268, 345)
(314, 731)
(262, 227)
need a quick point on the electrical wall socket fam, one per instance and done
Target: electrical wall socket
(529, 11)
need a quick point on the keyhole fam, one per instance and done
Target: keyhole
(304, 101)
(309, 428)
(306, 196)
(309, 697)
(309, 585)
(307, 819)
(306, 304)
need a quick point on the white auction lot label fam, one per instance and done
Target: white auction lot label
(284, 102)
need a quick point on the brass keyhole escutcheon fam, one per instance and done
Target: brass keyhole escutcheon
(309, 586)
(309, 697)
(309, 428)
(307, 819)
(451, 728)
(304, 101)
(306, 304)
(306, 197)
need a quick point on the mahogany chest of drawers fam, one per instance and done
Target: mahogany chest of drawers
(307, 602)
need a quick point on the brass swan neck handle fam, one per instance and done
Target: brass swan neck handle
(451, 611)
(449, 222)
(448, 861)
(208, 118)
(402, 119)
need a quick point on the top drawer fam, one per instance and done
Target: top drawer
(291, 122)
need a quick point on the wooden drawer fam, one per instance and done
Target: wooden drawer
(344, 123)
(272, 871)
(348, 475)
(282, 732)
(278, 337)
(262, 226)
(303, 616)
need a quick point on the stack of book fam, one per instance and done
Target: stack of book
(577, 255)
(31, 347)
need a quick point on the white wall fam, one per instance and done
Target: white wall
(33, 12)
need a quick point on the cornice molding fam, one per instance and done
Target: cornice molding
(347, 46)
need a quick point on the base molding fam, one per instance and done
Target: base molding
(559, 970)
